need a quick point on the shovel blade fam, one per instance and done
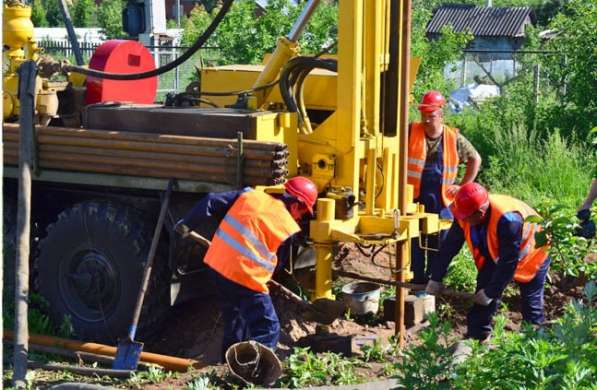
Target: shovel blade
(127, 355)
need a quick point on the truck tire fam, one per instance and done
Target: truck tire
(90, 266)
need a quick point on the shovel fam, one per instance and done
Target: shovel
(129, 350)
(322, 310)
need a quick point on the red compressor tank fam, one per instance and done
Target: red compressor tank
(121, 56)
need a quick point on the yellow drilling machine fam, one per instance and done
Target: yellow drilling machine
(104, 154)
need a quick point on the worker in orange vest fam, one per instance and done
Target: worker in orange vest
(254, 236)
(434, 153)
(503, 248)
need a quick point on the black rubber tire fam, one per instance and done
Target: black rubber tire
(90, 266)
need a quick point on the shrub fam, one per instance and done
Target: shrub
(568, 252)
(562, 356)
(304, 368)
(242, 37)
(428, 365)
(462, 273)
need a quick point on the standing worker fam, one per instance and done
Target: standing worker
(254, 234)
(503, 247)
(434, 153)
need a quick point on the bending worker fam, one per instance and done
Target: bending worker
(503, 247)
(254, 234)
(434, 153)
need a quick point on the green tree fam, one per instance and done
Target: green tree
(573, 70)
(38, 14)
(109, 17)
(244, 37)
(434, 54)
(53, 14)
(84, 13)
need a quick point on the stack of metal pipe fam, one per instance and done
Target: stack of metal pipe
(152, 155)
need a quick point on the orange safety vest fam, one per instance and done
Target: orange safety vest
(531, 258)
(417, 154)
(244, 247)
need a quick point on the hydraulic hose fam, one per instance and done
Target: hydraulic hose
(291, 84)
(162, 69)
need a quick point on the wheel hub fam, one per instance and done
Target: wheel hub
(91, 285)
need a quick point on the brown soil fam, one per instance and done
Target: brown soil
(195, 329)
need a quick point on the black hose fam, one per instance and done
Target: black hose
(162, 69)
(295, 72)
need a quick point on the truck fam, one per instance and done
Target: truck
(105, 155)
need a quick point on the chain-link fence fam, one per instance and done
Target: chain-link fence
(175, 80)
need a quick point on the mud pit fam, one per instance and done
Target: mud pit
(195, 328)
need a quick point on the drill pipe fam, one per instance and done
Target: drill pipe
(209, 151)
(200, 160)
(169, 362)
(149, 137)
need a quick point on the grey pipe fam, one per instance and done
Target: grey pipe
(301, 22)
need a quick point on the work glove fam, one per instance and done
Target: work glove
(433, 287)
(182, 229)
(482, 299)
(587, 226)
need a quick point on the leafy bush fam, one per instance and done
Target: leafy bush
(244, 38)
(428, 365)
(574, 72)
(567, 251)
(38, 14)
(462, 273)
(84, 13)
(304, 368)
(109, 17)
(562, 356)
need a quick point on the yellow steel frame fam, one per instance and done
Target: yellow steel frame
(348, 149)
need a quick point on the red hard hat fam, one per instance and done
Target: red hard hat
(432, 100)
(469, 199)
(304, 190)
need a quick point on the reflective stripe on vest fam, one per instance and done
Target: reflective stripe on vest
(530, 258)
(417, 153)
(244, 247)
(244, 250)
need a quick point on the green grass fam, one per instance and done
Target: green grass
(535, 169)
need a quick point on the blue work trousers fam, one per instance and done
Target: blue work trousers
(421, 259)
(430, 196)
(531, 294)
(247, 314)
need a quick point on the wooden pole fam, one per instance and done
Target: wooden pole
(2, 238)
(27, 74)
(403, 248)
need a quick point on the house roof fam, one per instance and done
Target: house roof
(482, 21)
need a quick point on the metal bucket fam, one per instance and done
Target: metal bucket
(362, 297)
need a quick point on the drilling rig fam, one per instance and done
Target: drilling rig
(103, 160)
